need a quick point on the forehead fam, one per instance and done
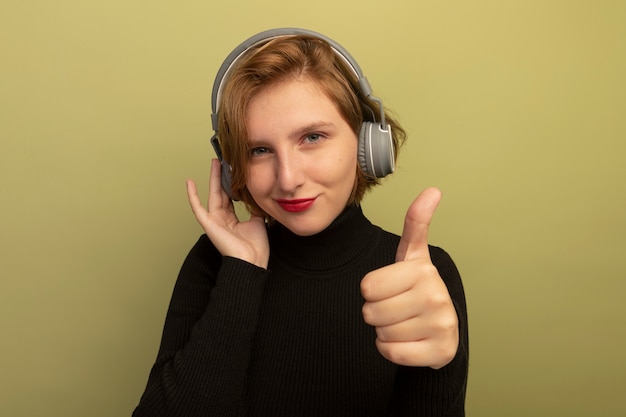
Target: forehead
(287, 105)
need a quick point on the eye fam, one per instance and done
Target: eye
(258, 151)
(313, 137)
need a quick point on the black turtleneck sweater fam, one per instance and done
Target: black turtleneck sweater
(290, 341)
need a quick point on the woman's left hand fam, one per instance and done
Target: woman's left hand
(408, 302)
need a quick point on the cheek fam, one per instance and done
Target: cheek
(344, 165)
(338, 173)
(257, 182)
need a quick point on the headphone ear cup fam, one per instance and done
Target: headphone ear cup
(375, 152)
(362, 152)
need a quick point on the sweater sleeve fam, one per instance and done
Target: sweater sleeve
(201, 366)
(427, 392)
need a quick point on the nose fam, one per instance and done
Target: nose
(289, 173)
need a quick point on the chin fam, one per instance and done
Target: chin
(301, 227)
(303, 230)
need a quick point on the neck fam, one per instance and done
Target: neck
(346, 237)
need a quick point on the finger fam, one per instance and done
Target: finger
(414, 240)
(435, 346)
(410, 330)
(192, 192)
(392, 310)
(217, 197)
(425, 352)
(442, 324)
(388, 281)
(194, 200)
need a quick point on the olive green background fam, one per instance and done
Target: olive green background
(515, 109)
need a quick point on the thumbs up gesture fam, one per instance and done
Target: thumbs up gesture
(408, 302)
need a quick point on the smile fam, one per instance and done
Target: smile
(296, 206)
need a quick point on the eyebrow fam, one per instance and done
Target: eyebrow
(298, 132)
(311, 127)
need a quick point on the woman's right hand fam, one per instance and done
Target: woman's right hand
(245, 240)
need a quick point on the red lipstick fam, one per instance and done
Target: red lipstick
(297, 205)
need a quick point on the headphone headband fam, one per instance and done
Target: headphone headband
(268, 35)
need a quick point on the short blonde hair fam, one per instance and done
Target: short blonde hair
(279, 59)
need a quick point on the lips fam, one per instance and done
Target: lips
(297, 205)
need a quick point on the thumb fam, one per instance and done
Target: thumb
(414, 241)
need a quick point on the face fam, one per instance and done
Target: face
(302, 156)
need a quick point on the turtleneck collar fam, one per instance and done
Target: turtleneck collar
(343, 240)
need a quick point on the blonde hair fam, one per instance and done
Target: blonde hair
(279, 59)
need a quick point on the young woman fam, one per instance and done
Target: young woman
(307, 309)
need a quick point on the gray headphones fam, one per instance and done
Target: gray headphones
(376, 151)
